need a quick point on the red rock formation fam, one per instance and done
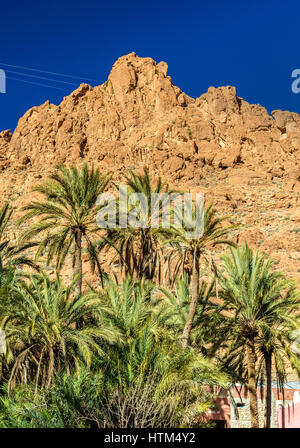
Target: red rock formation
(245, 160)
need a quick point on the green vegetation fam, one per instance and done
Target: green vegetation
(135, 326)
(262, 309)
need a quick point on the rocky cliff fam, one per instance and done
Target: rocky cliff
(246, 161)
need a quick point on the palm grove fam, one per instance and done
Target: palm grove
(146, 345)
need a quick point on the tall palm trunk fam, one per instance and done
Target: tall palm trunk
(77, 271)
(194, 302)
(78, 263)
(251, 360)
(268, 403)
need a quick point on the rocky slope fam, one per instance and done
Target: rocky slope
(244, 160)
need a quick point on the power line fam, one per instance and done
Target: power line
(41, 77)
(50, 73)
(35, 83)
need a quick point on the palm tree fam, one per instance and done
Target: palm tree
(73, 401)
(129, 309)
(174, 309)
(148, 357)
(41, 334)
(183, 247)
(138, 246)
(67, 217)
(11, 255)
(252, 308)
(276, 339)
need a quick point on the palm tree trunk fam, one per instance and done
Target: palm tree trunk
(251, 360)
(194, 302)
(268, 403)
(78, 271)
(78, 263)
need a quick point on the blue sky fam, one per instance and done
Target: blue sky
(251, 45)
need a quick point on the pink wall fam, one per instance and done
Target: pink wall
(289, 416)
(222, 411)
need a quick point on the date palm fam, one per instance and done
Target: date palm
(276, 339)
(183, 246)
(138, 246)
(254, 312)
(11, 255)
(149, 350)
(67, 217)
(174, 309)
(41, 333)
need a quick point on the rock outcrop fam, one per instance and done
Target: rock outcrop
(245, 160)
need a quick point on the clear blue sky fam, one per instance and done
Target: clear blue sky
(249, 44)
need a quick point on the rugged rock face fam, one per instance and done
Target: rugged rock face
(246, 161)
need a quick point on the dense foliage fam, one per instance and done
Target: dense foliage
(143, 347)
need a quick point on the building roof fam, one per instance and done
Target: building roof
(295, 385)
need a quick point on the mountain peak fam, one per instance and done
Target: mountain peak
(217, 143)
